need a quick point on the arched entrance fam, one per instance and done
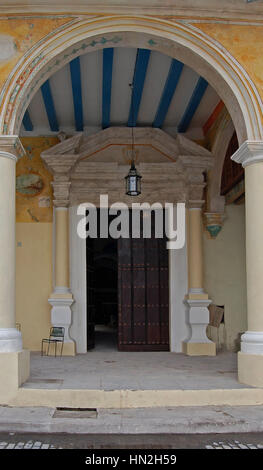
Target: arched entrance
(177, 40)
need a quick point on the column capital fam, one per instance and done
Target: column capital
(195, 204)
(61, 189)
(251, 151)
(213, 222)
(11, 147)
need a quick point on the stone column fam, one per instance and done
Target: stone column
(197, 300)
(12, 357)
(62, 250)
(250, 358)
(61, 299)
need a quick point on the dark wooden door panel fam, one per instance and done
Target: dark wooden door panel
(164, 293)
(153, 309)
(138, 286)
(124, 291)
(143, 294)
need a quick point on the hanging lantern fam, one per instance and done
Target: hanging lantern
(133, 179)
(133, 182)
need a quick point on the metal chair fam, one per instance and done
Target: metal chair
(56, 336)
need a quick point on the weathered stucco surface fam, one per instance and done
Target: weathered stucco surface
(245, 43)
(23, 33)
(34, 204)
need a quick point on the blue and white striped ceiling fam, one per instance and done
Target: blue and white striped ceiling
(92, 92)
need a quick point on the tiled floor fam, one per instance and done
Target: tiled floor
(106, 368)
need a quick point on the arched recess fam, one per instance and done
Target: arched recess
(232, 174)
(216, 202)
(176, 39)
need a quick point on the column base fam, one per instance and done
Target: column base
(250, 369)
(198, 344)
(61, 316)
(199, 349)
(10, 340)
(14, 371)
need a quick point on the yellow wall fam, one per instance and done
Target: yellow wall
(33, 281)
(34, 215)
(224, 273)
(244, 42)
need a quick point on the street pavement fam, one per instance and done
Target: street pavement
(12, 441)
(215, 427)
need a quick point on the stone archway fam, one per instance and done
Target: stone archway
(222, 71)
(184, 42)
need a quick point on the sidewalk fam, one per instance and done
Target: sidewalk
(180, 420)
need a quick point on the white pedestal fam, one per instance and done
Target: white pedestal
(198, 344)
(61, 315)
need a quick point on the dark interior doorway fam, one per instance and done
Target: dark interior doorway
(128, 292)
(102, 292)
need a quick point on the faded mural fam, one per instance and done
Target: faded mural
(18, 35)
(33, 182)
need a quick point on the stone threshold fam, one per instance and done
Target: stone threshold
(84, 398)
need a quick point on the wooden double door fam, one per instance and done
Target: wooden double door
(143, 295)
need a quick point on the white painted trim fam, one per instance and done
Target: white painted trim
(78, 329)
(61, 208)
(10, 340)
(252, 342)
(249, 152)
(8, 155)
(196, 290)
(178, 284)
(61, 290)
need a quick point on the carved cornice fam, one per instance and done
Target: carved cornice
(172, 169)
(12, 144)
(197, 9)
(248, 153)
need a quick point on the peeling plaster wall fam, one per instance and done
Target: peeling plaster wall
(33, 182)
(18, 35)
(34, 216)
(225, 276)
